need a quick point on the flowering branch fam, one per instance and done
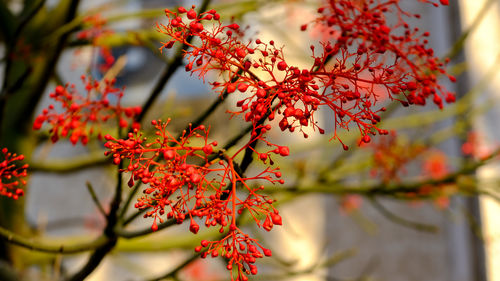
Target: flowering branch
(83, 114)
(364, 58)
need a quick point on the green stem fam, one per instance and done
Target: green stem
(70, 165)
(40, 246)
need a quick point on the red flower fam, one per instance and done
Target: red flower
(435, 166)
(11, 175)
(83, 115)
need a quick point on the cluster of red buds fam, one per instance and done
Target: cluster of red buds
(11, 175)
(187, 180)
(395, 55)
(83, 115)
(391, 155)
(239, 249)
(367, 57)
(183, 173)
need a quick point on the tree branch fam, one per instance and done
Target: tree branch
(41, 246)
(402, 221)
(70, 165)
(95, 199)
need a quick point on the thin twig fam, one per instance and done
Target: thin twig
(112, 218)
(459, 43)
(137, 233)
(402, 221)
(95, 199)
(173, 273)
(40, 246)
(128, 200)
(67, 166)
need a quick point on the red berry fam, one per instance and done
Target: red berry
(169, 154)
(241, 53)
(253, 269)
(261, 93)
(267, 225)
(208, 149)
(450, 97)
(242, 87)
(123, 123)
(366, 138)
(194, 227)
(284, 150)
(154, 227)
(59, 90)
(234, 26)
(191, 14)
(282, 65)
(230, 88)
(276, 218)
(267, 252)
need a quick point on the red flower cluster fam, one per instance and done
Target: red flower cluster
(82, 114)
(367, 59)
(95, 28)
(396, 55)
(435, 165)
(239, 249)
(184, 166)
(367, 56)
(391, 155)
(11, 175)
(187, 182)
